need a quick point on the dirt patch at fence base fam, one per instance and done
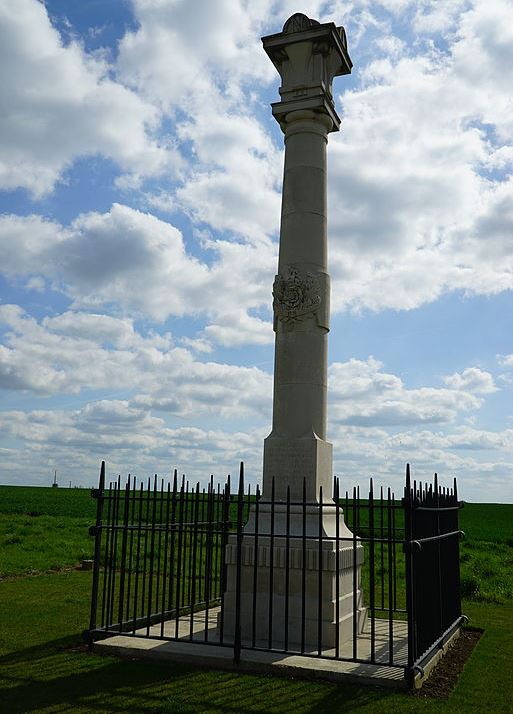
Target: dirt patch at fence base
(444, 677)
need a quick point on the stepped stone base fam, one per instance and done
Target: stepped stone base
(300, 609)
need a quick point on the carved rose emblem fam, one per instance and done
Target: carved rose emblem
(292, 296)
(295, 295)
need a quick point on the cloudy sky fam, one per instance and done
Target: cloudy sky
(140, 176)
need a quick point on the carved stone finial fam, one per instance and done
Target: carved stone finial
(308, 55)
(298, 22)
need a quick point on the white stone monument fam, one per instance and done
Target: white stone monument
(297, 456)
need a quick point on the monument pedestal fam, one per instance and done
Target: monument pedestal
(291, 580)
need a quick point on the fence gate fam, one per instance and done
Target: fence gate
(432, 567)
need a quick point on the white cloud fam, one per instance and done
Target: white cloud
(437, 16)
(128, 438)
(505, 360)
(213, 48)
(473, 380)
(60, 103)
(139, 264)
(412, 216)
(361, 394)
(479, 459)
(153, 427)
(420, 205)
(75, 352)
(413, 212)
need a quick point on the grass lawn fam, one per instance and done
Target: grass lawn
(42, 670)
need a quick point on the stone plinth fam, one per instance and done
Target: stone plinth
(295, 459)
(289, 598)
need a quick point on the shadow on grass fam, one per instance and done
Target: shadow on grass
(57, 678)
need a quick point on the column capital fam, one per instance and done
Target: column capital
(307, 55)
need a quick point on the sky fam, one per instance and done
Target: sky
(140, 180)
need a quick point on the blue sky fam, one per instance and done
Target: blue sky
(140, 176)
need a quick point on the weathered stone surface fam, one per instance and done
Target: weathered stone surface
(300, 568)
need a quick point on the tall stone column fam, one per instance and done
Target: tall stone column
(307, 55)
(299, 572)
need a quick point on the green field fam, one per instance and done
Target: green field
(44, 529)
(43, 667)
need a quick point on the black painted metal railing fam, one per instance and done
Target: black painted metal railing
(173, 561)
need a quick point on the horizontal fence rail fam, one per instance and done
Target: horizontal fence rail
(366, 579)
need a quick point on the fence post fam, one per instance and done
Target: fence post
(240, 509)
(456, 526)
(408, 546)
(97, 532)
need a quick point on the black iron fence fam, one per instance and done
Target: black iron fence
(372, 580)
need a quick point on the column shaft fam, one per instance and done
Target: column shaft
(296, 447)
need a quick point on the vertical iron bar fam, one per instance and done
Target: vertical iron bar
(355, 578)
(372, 573)
(106, 565)
(456, 526)
(215, 547)
(394, 551)
(152, 556)
(287, 569)
(441, 627)
(193, 559)
(159, 545)
(382, 535)
(319, 582)
(240, 517)
(200, 547)
(185, 550)
(171, 581)
(390, 574)
(164, 572)
(271, 571)
(97, 553)
(208, 552)
(303, 572)
(337, 568)
(146, 526)
(408, 544)
(224, 540)
(191, 505)
(123, 555)
(113, 552)
(131, 548)
(358, 509)
(255, 568)
(179, 560)
(138, 555)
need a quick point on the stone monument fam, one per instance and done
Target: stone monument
(297, 456)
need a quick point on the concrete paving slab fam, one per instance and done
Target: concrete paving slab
(214, 655)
